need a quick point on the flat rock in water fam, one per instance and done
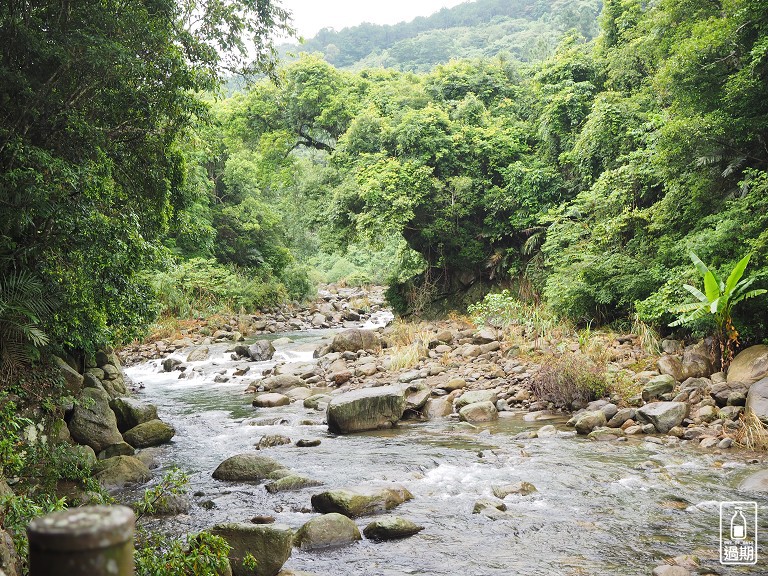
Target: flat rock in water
(247, 468)
(326, 531)
(479, 412)
(291, 482)
(391, 528)
(474, 396)
(520, 488)
(271, 400)
(757, 482)
(354, 502)
(366, 409)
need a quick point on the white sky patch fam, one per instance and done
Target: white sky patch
(309, 16)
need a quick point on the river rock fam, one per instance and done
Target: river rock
(119, 449)
(757, 399)
(479, 412)
(621, 417)
(130, 412)
(453, 384)
(269, 544)
(366, 409)
(672, 366)
(198, 354)
(73, 380)
(152, 433)
(119, 471)
(657, 386)
(697, 360)
(364, 501)
(271, 400)
(520, 488)
(438, 408)
(416, 395)
(325, 531)
(605, 434)
(356, 339)
(169, 364)
(10, 564)
(588, 421)
(93, 422)
(756, 482)
(281, 383)
(291, 482)
(663, 415)
(261, 351)
(473, 396)
(272, 440)
(484, 504)
(667, 570)
(750, 365)
(247, 468)
(317, 402)
(391, 528)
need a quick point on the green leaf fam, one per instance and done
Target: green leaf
(711, 286)
(736, 274)
(697, 293)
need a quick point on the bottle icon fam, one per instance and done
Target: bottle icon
(738, 526)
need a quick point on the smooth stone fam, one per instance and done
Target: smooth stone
(270, 400)
(130, 412)
(292, 482)
(391, 528)
(363, 501)
(366, 409)
(269, 544)
(479, 412)
(325, 531)
(246, 468)
(520, 488)
(473, 397)
(588, 421)
(152, 433)
(749, 365)
(120, 471)
(756, 482)
(663, 415)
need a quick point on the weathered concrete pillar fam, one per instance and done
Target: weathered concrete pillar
(88, 541)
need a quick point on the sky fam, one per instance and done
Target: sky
(309, 16)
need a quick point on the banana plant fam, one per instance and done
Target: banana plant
(718, 299)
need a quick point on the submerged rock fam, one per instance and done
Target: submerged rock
(391, 528)
(325, 531)
(757, 482)
(520, 488)
(269, 544)
(354, 502)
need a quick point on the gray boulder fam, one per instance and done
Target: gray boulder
(356, 339)
(282, 383)
(364, 501)
(120, 449)
(750, 365)
(198, 354)
(247, 468)
(325, 531)
(657, 386)
(292, 482)
(416, 395)
(588, 421)
(474, 396)
(479, 412)
(73, 380)
(391, 528)
(261, 350)
(93, 423)
(366, 409)
(663, 415)
(757, 400)
(147, 434)
(130, 412)
(119, 471)
(271, 400)
(269, 544)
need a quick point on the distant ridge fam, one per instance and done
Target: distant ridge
(525, 30)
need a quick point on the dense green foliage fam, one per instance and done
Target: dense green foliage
(526, 30)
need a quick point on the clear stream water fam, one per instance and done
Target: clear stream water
(601, 507)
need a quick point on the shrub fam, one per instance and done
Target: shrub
(569, 380)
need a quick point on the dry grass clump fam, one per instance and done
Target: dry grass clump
(568, 380)
(622, 384)
(752, 434)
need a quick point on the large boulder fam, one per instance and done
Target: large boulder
(119, 471)
(479, 412)
(658, 385)
(757, 400)
(698, 360)
(93, 423)
(391, 528)
(152, 433)
(130, 412)
(356, 339)
(366, 409)
(663, 415)
(73, 380)
(271, 400)
(325, 531)
(750, 365)
(247, 468)
(474, 396)
(363, 501)
(269, 544)
(261, 350)
(198, 354)
(281, 383)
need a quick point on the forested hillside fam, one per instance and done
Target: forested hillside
(525, 30)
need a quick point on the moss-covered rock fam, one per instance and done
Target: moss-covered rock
(354, 502)
(152, 433)
(391, 528)
(292, 482)
(247, 468)
(326, 531)
(130, 412)
(269, 544)
(118, 471)
(366, 409)
(93, 423)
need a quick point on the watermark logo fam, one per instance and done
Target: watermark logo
(738, 533)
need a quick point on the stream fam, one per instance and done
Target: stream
(601, 507)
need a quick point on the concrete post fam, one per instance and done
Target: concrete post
(88, 541)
